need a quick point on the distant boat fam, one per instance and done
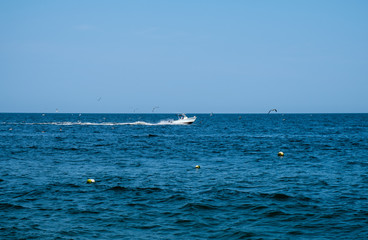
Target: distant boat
(183, 119)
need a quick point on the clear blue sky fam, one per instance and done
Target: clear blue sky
(242, 56)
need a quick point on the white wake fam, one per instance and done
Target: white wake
(162, 122)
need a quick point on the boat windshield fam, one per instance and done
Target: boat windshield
(182, 116)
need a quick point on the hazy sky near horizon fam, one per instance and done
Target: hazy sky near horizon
(184, 56)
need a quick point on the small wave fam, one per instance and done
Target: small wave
(295, 232)
(175, 198)
(33, 194)
(285, 197)
(231, 233)
(280, 196)
(32, 147)
(144, 227)
(138, 205)
(276, 196)
(103, 145)
(66, 149)
(146, 190)
(8, 206)
(198, 206)
(82, 211)
(181, 221)
(275, 213)
(65, 185)
(118, 189)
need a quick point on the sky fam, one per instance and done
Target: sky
(239, 56)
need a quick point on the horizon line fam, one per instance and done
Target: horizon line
(157, 113)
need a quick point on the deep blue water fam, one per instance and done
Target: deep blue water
(147, 186)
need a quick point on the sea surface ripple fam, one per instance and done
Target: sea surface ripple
(147, 186)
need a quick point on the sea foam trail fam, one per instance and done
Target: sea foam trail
(162, 122)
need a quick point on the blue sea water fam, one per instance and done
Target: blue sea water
(147, 186)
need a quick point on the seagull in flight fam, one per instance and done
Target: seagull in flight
(154, 108)
(275, 110)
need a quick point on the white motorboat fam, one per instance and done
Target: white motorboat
(183, 119)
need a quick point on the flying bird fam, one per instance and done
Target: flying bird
(154, 108)
(275, 110)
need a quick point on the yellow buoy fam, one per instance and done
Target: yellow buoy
(280, 154)
(90, 180)
(197, 166)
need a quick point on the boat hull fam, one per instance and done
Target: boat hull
(185, 120)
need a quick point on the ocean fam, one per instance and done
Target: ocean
(147, 185)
